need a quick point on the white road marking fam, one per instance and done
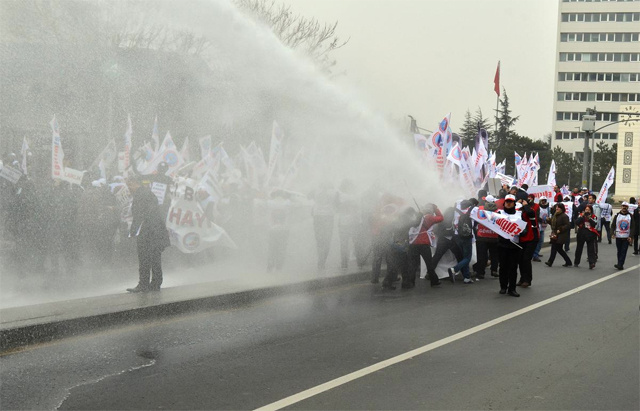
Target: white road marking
(293, 399)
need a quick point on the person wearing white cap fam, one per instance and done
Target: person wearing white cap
(623, 231)
(509, 255)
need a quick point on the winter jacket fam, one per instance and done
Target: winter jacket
(560, 226)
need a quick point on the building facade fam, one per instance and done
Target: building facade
(597, 66)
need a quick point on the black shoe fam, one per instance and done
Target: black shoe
(138, 289)
(480, 276)
(513, 294)
(436, 284)
(576, 265)
(635, 253)
(592, 266)
(547, 263)
(519, 284)
(609, 242)
(503, 291)
(619, 267)
(537, 259)
(494, 274)
(388, 287)
(567, 265)
(540, 255)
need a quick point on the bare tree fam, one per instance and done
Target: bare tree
(316, 39)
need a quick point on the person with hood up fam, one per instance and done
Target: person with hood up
(464, 239)
(560, 228)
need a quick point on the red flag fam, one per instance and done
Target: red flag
(496, 81)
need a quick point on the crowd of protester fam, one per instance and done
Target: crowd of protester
(51, 226)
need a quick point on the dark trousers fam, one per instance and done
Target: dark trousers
(149, 262)
(526, 254)
(379, 253)
(277, 249)
(444, 245)
(635, 243)
(466, 245)
(556, 248)
(622, 244)
(397, 263)
(607, 226)
(484, 251)
(415, 252)
(566, 244)
(323, 228)
(590, 240)
(509, 258)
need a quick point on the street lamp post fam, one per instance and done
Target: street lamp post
(588, 125)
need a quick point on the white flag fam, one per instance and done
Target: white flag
(551, 180)
(604, 191)
(127, 144)
(24, 150)
(275, 151)
(155, 136)
(505, 225)
(57, 155)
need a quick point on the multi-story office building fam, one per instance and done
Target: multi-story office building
(597, 66)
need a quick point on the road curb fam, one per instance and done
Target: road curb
(21, 336)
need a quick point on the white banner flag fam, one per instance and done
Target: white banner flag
(190, 229)
(604, 191)
(24, 151)
(73, 176)
(541, 191)
(57, 155)
(551, 180)
(505, 225)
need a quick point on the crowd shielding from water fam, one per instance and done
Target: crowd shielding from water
(52, 226)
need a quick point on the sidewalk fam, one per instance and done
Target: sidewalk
(30, 324)
(40, 322)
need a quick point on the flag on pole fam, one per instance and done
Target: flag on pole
(205, 146)
(184, 152)
(57, 155)
(127, 143)
(155, 136)
(551, 180)
(496, 80)
(275, 151)
(24, 150)
(604, 191)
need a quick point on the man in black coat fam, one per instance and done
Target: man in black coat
(152, 237)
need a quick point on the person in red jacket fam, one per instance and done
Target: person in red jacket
(588, 234)
(486, 244)
(420, 244)
(528, 241)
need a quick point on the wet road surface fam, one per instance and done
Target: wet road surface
(577, 352)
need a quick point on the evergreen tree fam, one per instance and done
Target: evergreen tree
(568, 169)
(505, 121)
(468, 130)
(480, 121)
(605, 157)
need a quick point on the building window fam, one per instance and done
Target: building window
(596, 17)
(598, 37)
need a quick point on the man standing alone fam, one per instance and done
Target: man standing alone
(152, 237)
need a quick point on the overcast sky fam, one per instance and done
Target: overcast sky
(430, 57)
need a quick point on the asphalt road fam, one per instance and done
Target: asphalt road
(579, 351)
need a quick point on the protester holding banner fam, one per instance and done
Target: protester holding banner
(149, 229)
(587, 233)
(623, 230)
(560, 228)
(510, 253)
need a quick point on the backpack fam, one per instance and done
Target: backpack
(465, 226)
